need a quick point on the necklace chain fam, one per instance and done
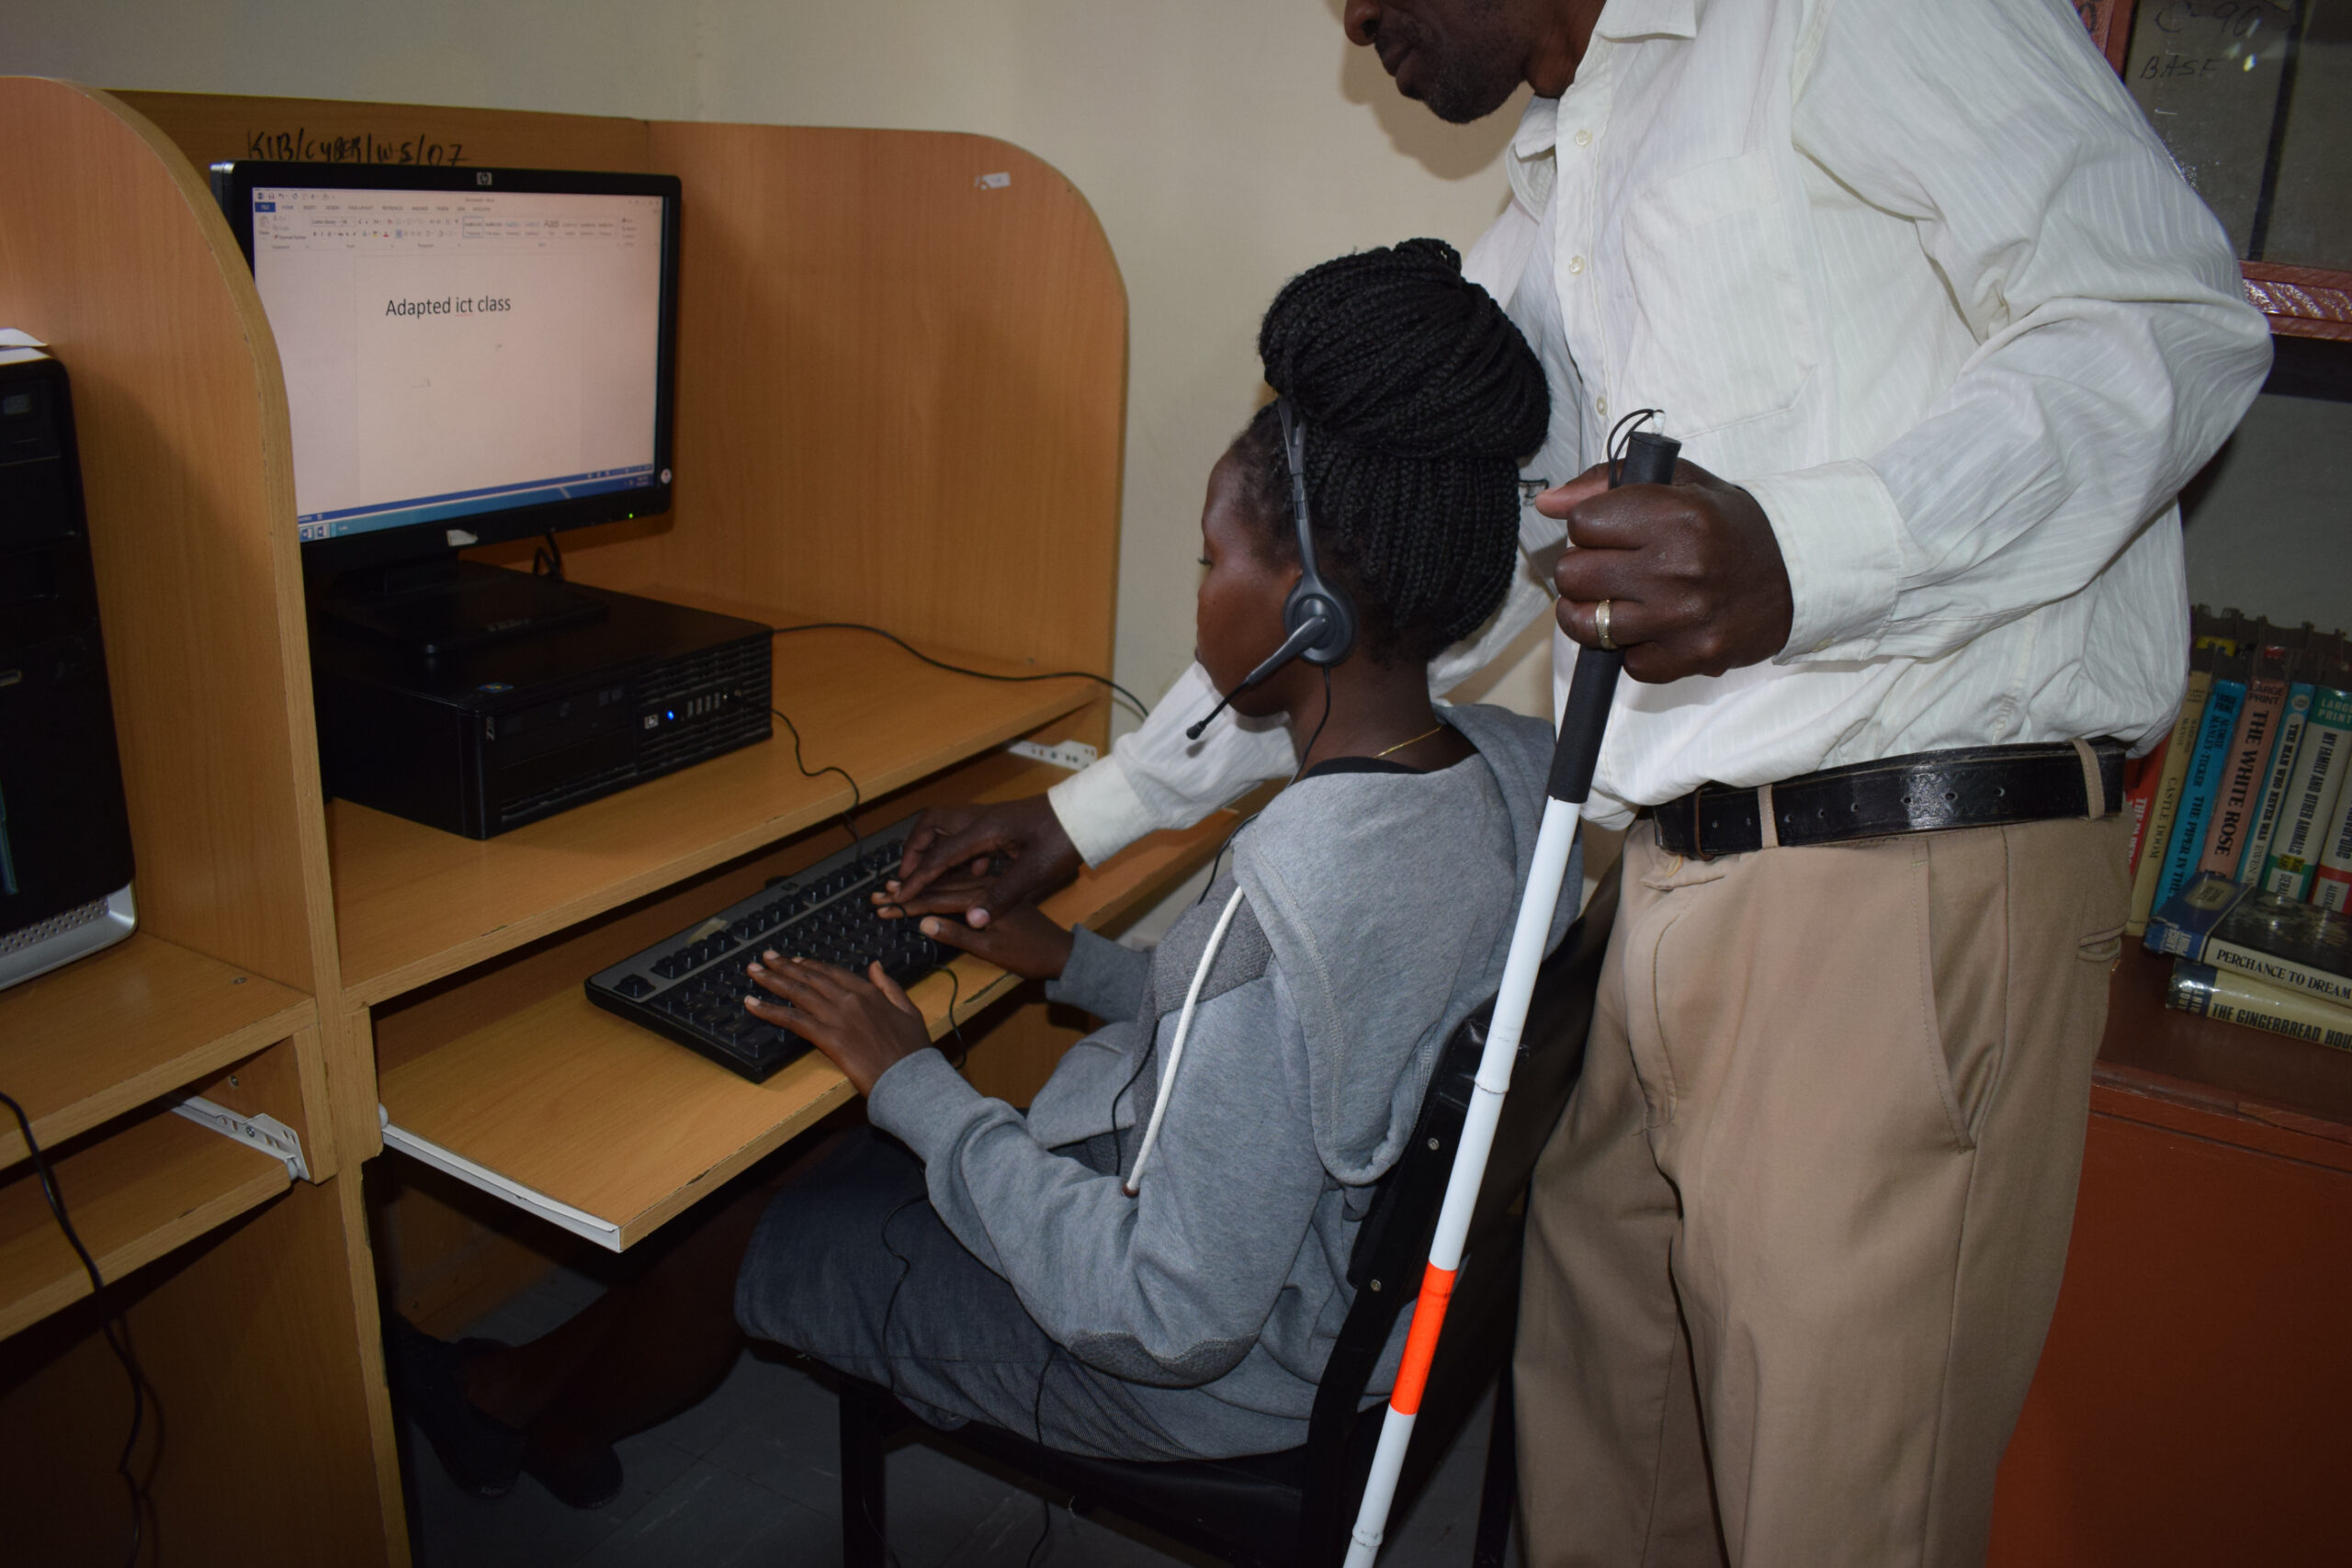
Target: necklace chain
(1424, 735)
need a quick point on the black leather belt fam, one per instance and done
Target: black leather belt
(1929, 792)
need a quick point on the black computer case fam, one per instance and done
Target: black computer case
(64, 831)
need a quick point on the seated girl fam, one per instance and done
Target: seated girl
(1151, 1262)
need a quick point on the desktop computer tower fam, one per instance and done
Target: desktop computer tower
(501, 733)
(65, 832)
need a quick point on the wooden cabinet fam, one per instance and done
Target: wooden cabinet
(2194, 1401)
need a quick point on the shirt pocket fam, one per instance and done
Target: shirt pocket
(1718, 319)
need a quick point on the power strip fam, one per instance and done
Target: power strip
(265, 1134)
(1075, 755)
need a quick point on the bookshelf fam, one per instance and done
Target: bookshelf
(2191, 1394)
(2189, 1401)
(900, 401)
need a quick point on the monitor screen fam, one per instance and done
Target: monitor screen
(466, 359)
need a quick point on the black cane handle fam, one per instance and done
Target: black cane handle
(1649, 460)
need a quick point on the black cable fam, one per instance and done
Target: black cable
(117, 1332)
(1143, 1060)
(1037, 1404)
(1038, 1435)
(1309, 750)
(887, 1550)
(856, 796)
(1234, 837)
(1131, 700)
(1613, 451)
(1218, 859)
(548, 562)
(857, 852)
(955, 989)
(1045, 1531)
(890, 1309)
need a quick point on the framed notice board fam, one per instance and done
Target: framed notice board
(2254, 100)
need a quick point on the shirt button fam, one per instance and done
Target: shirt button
(1576, 265)
(1584, 138)
(1600, 406)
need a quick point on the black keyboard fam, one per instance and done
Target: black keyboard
(690, 986)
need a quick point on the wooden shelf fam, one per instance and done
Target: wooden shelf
(413, 904)
(2243, 1086)
(133, 1195)
(571, 1104)
(89, 1041)
(2300, 301)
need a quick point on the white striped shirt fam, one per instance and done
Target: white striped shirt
(1918, 277)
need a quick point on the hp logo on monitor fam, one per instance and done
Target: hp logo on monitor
(482, 177)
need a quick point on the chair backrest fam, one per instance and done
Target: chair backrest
(1392, 1246)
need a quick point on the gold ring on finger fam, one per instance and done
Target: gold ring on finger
(1600, 627)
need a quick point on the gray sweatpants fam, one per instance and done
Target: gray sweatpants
(852, 1265)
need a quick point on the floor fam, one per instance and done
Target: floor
(749, 1477)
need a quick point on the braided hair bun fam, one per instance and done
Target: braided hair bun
(1421, 400)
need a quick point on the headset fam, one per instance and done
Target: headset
(1318, 617)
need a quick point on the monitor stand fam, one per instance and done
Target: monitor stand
(441, 606)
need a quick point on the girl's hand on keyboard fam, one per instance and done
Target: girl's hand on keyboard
(979, 862)
(863, 1027)
(1022, 940)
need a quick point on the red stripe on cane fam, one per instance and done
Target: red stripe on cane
(1420, 1343)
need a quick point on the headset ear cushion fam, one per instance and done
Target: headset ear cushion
(1313, 597)
(1342, 638)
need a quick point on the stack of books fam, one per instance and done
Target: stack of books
(2242, 829)
(2248, 956)
(2250, 785)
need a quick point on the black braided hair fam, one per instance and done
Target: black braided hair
(1421, 400)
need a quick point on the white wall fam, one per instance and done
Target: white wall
(1226, 144)
(581, 56)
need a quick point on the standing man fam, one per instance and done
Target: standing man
(1942, 333)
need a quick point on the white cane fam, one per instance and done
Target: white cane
(1649, 459)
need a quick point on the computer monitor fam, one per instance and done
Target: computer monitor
(471, 355)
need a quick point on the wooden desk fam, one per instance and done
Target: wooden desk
(626, 1130)
(2191, 1406)
(413, 904)
(900, 401)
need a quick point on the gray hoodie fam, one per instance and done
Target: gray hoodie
(1376, 909)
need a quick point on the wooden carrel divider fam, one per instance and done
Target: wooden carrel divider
(900, 401)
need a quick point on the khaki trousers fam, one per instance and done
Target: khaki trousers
(1792, 1249)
